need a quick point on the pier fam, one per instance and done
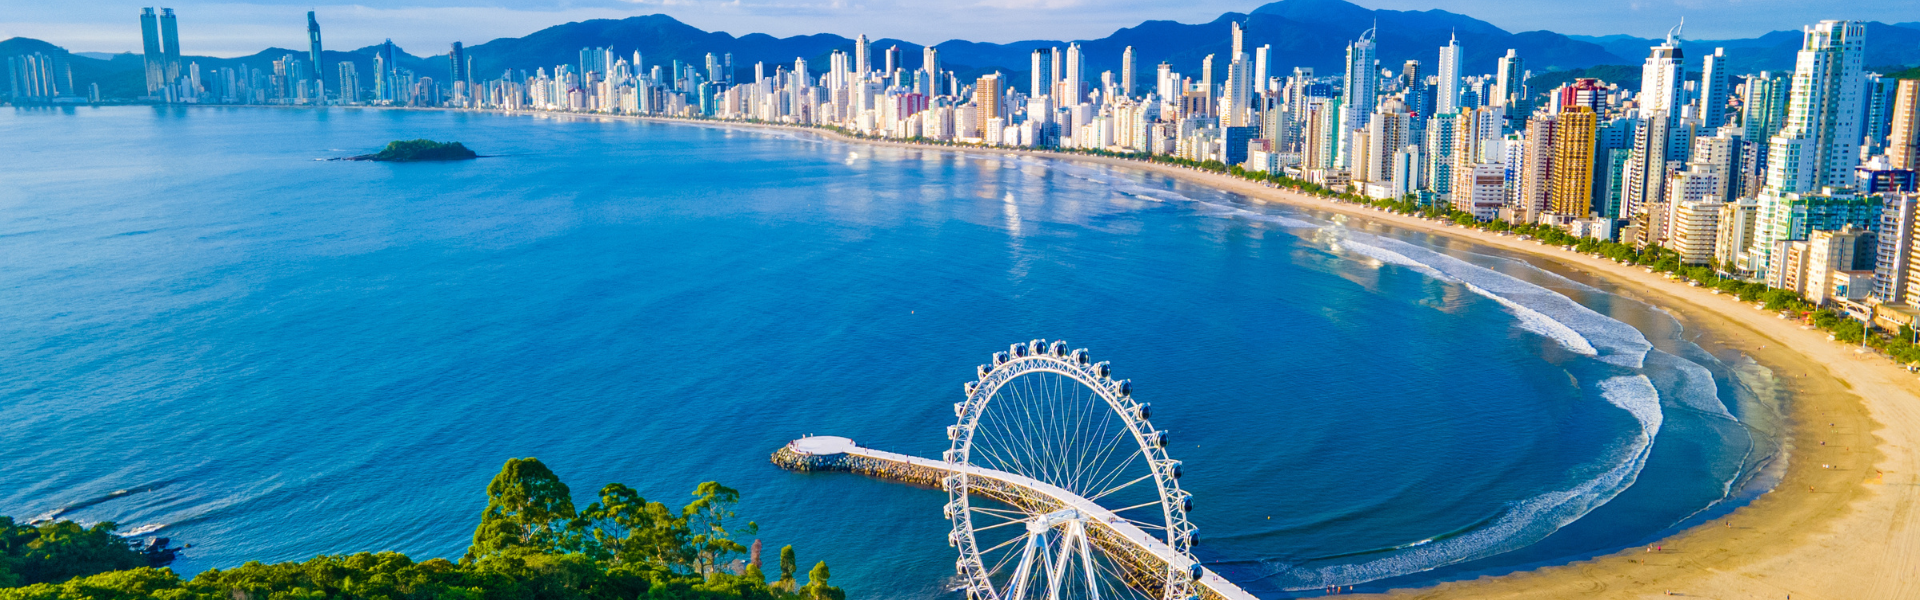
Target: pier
(1150, 558)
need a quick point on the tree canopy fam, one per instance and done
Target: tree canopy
(530, 544)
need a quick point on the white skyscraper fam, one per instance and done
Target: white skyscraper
(1073, 76)
(1358, 95)
(1663, 78)
(1507, 80)
(1237, 100)
(1819, 146)
(1715, 83)
(861, 55)
(1261, 64)
(1446, 96)
(1126, 72)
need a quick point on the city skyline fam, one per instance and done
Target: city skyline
(228, 30)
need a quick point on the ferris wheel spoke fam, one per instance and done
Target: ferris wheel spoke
(1089, 454)
(1118, 471)
(999, 525)
(1123, 486)
(999, 512)
(1136, 506)
(1004, 544)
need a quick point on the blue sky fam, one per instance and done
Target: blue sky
(427, 26)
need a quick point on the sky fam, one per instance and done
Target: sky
(426, 27)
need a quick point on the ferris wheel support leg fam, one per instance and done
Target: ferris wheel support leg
(1019, 581)
(1086, 564)
(1057, 571)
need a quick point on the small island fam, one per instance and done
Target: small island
(418, 151)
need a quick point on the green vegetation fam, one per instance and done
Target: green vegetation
(530, 544)
(1907, 73)
(60, 550)
(420, 150)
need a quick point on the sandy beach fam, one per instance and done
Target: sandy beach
(1840, 524)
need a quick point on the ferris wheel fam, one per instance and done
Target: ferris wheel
(1061, 487)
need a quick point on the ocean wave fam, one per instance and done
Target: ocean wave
(1540, 310)
(1692, 385)
(1523, 523)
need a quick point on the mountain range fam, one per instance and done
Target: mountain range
(1303, 33)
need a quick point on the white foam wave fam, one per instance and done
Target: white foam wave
(143, 530)
(1529, 318)
(1694, 386)
(1540, 310)
(1525, 522)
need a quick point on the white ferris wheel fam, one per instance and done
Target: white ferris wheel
(1062, 488)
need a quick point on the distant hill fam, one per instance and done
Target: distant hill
(1309, 33)
(1897, 44)
(1303, 33)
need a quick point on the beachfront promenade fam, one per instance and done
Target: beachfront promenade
(1152, 557)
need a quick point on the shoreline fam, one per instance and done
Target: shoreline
(1852, 422)
(1838, 524)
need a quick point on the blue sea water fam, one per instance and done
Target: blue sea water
(283, 357)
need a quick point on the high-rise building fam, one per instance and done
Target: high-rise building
(1819, 144)
(1877, 121)
(170, 43)
(349, 83)
(457, 62)
(1893, 270)
(861, 56)
(1903, 141)
(1042, 78)
(986, 100)
(1446, 96)
(1645, 174)
(1716, 82)
(1441, 130)
(156, 60)
(1126, 72)
(1361, 88)
(1479, 162)
(893, 60)
(1508, 80)
(1262, 58)
(1663, 79)
(313, 54)
(1765, 105)
(1075, 91)
(1236, 102)
(1571, 190)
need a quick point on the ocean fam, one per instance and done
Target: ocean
(272, 356)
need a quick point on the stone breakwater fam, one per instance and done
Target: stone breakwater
(797, 460)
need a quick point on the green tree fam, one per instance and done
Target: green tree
(528, 509)
(627, 529)
(707, 518)
(817, 587)
(788, 566)
(56, 551)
